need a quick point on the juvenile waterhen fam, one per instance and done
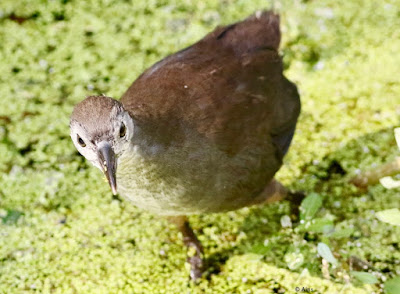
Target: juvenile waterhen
(203, 130)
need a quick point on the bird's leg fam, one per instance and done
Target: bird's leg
(275, 191)
(195, 249)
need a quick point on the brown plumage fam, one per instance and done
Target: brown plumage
(204, 130)
(99, 120)
(227, 87)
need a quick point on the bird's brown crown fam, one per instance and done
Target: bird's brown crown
(95, 113)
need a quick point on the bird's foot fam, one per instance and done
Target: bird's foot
(195, 249)
(295, 198)
(195, 259)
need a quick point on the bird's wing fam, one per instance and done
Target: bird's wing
(228, 88)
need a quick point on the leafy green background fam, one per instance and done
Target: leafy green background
(63, 232)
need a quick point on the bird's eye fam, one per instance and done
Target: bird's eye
(81, 142)
(122, 130)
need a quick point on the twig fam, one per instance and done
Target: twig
(372, 177)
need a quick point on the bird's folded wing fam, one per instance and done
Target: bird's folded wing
(228, 88)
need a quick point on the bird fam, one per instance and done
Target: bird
(204, 130)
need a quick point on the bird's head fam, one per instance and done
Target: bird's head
(101, 130)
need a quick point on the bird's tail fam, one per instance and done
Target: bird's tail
(258, 31)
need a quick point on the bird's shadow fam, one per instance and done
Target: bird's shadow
(264, 233)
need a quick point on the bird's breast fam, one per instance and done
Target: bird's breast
(194, 178)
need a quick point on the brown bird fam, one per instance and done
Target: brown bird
(203, 130)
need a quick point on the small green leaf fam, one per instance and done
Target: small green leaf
(343, 233)
(309, 206)
(12, 217)
(321, 225)
(392, 286)
(294, 260)
(260, 249)
(318, 225)
(390, 216)
(326, 253)
(365, 278)
(254, 257)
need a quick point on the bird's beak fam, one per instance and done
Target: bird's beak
(108, 164)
